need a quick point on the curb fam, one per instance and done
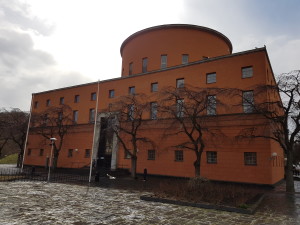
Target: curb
(250, 211)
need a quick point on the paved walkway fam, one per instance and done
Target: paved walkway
(43, 203)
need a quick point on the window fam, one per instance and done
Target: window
(36, 104)
(154, 87)
(62, 100)
(180, 83)
(211, 78)
(75, 116)
(127, 155)
(76, 98)
(60, 115)
(247, 72)
(250, 158)
(93, 96)
(179, 107)
(87, 153)
(163, 61)
(151, 154)
(29, 151)
(70, 153)
(130, 68)
(248, 101)
(179, 155)
(185, 59)
(211, 157)
(131, 90)
(45, 119)
(111, 93)
(211, 105)
(92, 115)
(145, 65)
(131, 112)
(41, 152)
(48, 102)
(153, 110)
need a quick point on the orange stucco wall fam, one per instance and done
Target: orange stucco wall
(227, 66)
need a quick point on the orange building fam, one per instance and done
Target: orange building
(173, 55)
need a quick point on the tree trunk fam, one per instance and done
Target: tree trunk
(55, 159)
(289, 178)
(133, 166)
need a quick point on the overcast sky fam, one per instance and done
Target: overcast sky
(57, 43)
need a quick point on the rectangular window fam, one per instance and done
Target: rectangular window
(211, 105)
(75, 116)
(61, 100)
(154, 87)
(179, 107)
(145, 65)
(127, 155)
(248, 101)
(93, 96)
(131, 90)
(179, 155)
(70, 153)
(247, 72)
(180, 83)
(153, 110)
(250, 158)
(87, 153)
(76, 98)
(92, 115)
(41, 152)
(163, 61)
(211, 78)
(211, 157)
(130, 68)
(29, 151)
(36, 104)
(111, 93)
(185, 59)
(131, 112)
(60, 115)
(151, 154)
(48, 102)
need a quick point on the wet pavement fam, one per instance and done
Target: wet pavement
(52, 203)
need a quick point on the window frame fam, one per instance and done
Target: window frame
(130, 69)
(151, 154)
(180, 83)
(126, 155)
(247, 106)
(62, 100)
(211, 157)
(250, 158)
(75, 116)
(180, 107)
(211, 108)
(211, 78)
(145, 65)
(76, 98)
(36, 104)
(247, 71)
(163, 61)
(92, 115)
(154, 87)
(87, 153)
(41, 153)
(153, 110)
(111, 93)
(48, 102)
(184, 58)
(70, 153)
(179, 155)
(131, 90)
(93, 96)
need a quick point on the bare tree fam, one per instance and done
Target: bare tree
(54, 122)
(126, 121)
(282, 111)
(194, 110)
(4, 135)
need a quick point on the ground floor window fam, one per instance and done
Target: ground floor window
(211, 157)
(41, 152)
(179, 155)
(151, 154)
(126, 155)
(70, 153)
(250, 158)
(87, 153)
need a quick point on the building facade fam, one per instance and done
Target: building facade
(154, 59)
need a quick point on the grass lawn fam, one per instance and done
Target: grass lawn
(10, 159)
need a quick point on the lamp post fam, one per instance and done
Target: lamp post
(52, 140)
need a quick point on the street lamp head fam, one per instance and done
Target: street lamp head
(53, 139)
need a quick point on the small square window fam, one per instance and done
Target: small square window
(29, 151)
(76, 98)
(93, 96)
(163, 61)
(154, 87)
(179, 155)
(127, 155)
(61, 100)
(185, 59)
(41, 152)
(131, 90)
(70, 153)
(211, 78)
(111, 93)
(87, 153)
(180, 83)
(48, 102)
(36, 104)
(211, 157)
(151, 154)
(247, 72)
(250, 158)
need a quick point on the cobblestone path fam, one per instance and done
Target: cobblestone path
(43, 203)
